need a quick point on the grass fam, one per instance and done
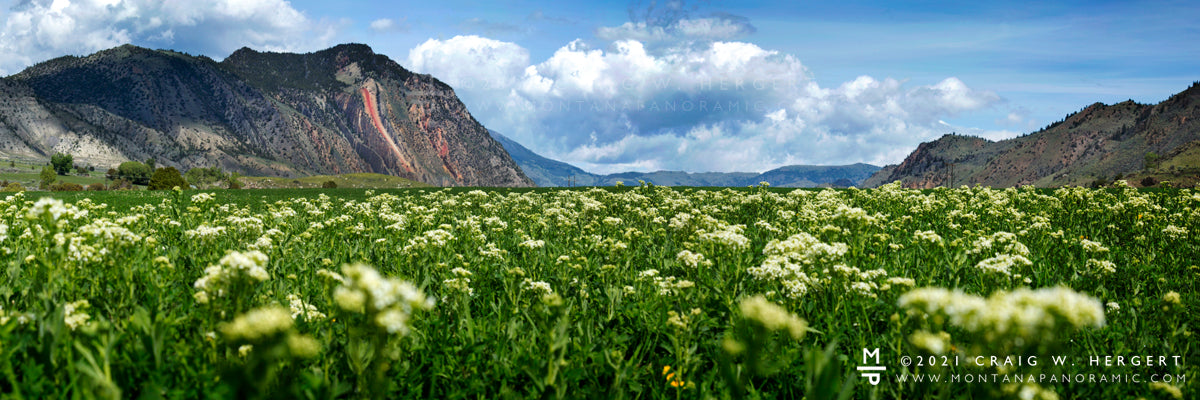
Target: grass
(354, 180)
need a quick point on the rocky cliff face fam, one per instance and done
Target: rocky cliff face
(341, 110)
(1097, 142)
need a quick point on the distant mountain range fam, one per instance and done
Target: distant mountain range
(1095, 144)
(547, 172)
(340, 110)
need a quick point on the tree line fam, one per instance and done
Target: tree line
(131, 173)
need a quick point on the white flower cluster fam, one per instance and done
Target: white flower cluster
(532, 244)
(799, 264)
(489, 250)
(1006, 252)
(20, 317)
(204, 232)
(258, 325)
(772, 317)
(461, 283)
(693, 260)
(671, 285)
(927, 236)
(235, 267)
(1002, 264)
(388, 302)
(268, 327)
(203, 198)
(1102, 266)
(109, 232)
(330, 275)
(1093, 247)
(433, 238)
(935, 343)
(53, 210)
(74, 316)
(853, 215)
(1175, 232)
(999, 243)
(729, 235)
(301, 308)
(1031, 315)
(536, 286)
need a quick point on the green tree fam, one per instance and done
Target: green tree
(151, 162)
(1152, 160)
(166, 179)
(62, 162)
(233, 181)
(135, 171)
(204, 176)
(48, 176)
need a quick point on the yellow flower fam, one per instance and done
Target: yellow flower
(666, 369)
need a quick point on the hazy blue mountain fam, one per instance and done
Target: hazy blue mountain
(546, 172)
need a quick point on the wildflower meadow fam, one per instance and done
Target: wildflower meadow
(630, 292)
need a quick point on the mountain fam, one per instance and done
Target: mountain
(543, 171)
(1095, 144)
(339, 110)
(548, 173)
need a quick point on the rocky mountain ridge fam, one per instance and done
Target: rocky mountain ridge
(339, 110)
(1097, 143)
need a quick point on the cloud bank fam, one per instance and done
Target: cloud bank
(687, 96)
(35, 30)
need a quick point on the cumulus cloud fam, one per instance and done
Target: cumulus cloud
(691, 105)
(472, 63)
(35, 30)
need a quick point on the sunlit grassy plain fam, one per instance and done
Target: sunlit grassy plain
(646, 291)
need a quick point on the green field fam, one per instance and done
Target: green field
(27, 173)
(355, 180)
(636, 292)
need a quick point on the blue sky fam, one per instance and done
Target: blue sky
(647, 85)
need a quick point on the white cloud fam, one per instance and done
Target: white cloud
(38, 30)
(382, 24)
(709, 28)
(690, 104)
(472, 63)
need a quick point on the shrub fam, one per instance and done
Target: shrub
(1149, 181)
(233, 182)
(48, 176)
(121, 184)
(166, 179)
(66, 187)
(62, 163)
(14, 187)
(96, 187)
(135, 171)
(329, 185)
(205, 176)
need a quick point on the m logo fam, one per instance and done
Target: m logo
(868, 370)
